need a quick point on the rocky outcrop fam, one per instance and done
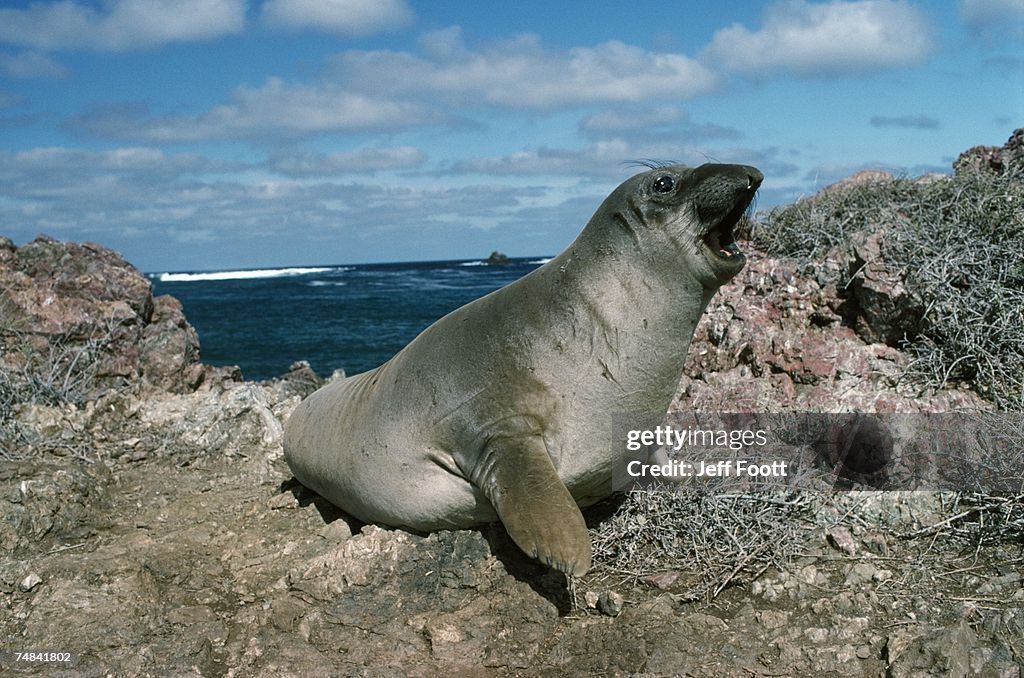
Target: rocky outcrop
(1008, 159)
(497, 258)
(83, 315)
(880, 306)
(778, 339)
(858, 179)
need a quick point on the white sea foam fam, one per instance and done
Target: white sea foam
(246, 275)
(535, 262)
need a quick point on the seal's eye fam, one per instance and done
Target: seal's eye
(663, 184)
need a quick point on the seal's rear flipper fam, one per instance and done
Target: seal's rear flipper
(537, 510)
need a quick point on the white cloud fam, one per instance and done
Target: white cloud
(57, 157)
(521, 73)
(120, 25)
(370, 91)
(310, 108)
(824, 39)
(617, 158)
(49, 164)
(361, 161)
(275, 108)
(97, 194)
(139, 199)
(27, 65)
(604, 159)
(345, 17)
(651, 126)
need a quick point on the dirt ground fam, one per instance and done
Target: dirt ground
(185, 548)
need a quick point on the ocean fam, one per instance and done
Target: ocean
(352, 317)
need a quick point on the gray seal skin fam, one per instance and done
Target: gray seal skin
(502, 409)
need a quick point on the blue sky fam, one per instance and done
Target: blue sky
(214, 134)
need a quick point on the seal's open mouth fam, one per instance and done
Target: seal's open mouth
(720, 239)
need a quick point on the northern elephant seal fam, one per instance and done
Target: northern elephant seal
(502, 408)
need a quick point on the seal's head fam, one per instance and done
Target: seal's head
(689, 213)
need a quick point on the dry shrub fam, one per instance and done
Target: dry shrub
(810, 227)
(710, 537)
(979, 519)
(58, 371)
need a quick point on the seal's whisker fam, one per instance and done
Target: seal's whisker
(649, 163)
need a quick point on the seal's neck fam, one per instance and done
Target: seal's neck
(640, 285)
(651, 305)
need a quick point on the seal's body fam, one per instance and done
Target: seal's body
(502, 409)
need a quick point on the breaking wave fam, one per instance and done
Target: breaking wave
(246, 274)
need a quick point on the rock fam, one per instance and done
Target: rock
(497, 259)
(285, 500)
(30, 582)
(842, 538)
(236, 421)
(914, 654)
(860, 573)
(301, 380)
(883, 309)
(662, 580)
(876, 543)
(336, 531)
(170, 348)
(775, 340)
(882, 575)
(84, 316)
(610, 603)
(773, 619)
(862, 178)
(44, 505)
(1009, 158)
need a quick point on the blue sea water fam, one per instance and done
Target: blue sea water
(350, 317)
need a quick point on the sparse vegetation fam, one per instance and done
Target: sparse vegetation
(699, 542)
(12, 434)
(810, 227)
(978, 519)
(710, 537)
(61, 372)
(960, 241)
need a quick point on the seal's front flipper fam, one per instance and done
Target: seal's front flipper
(540, 515)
